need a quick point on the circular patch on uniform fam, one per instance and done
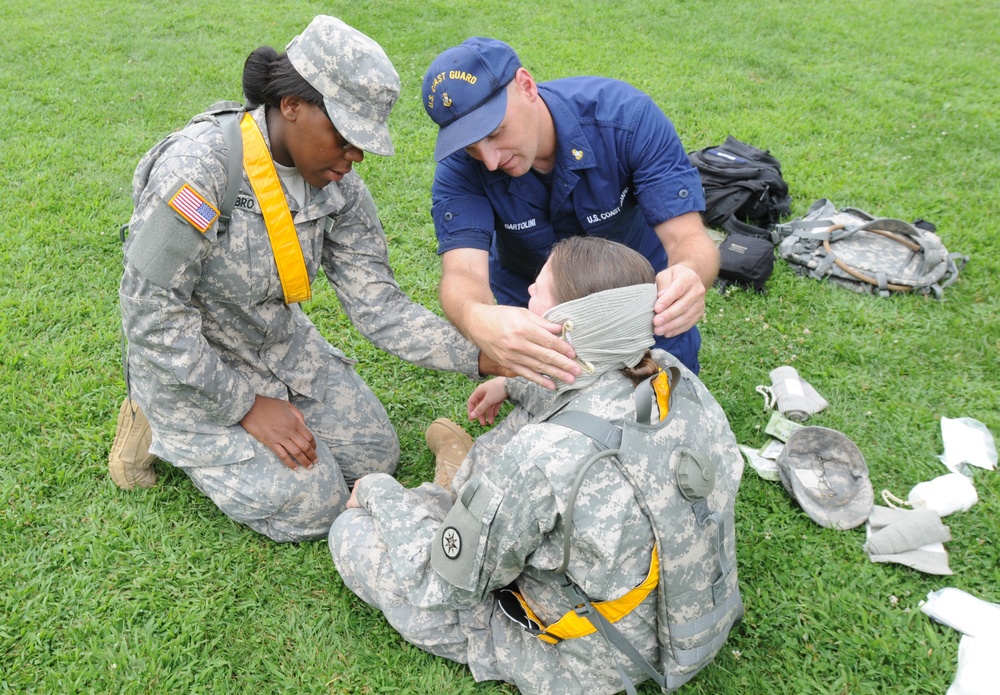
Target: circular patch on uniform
(451, 542)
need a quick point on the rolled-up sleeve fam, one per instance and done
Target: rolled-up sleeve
(666, 183)
(463, 216)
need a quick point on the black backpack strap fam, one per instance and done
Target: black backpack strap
(735, 226)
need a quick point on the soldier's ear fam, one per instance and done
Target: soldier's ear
(291, 106)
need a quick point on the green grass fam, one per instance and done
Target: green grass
(890, 107)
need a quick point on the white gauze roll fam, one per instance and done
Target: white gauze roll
(945, 494)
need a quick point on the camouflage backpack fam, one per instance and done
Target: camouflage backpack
(685, 471)
(228, 114)
(867, 254)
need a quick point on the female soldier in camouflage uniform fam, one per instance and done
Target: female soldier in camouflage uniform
(240, 389)
(432, 562)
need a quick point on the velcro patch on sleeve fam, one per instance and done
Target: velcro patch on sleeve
(460, 542)
(190, 205)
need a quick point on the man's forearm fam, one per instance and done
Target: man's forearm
(687, 243)
(460, 295)
(701, 256)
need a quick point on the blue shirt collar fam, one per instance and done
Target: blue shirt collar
(573, 150)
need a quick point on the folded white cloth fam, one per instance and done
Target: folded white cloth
(967, 440)
(979, 622)
(964, 612)
(978, 669)
(796, 399)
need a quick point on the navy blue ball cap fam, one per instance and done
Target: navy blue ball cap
(465, 92)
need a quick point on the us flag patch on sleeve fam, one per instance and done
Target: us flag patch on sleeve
(192, 207)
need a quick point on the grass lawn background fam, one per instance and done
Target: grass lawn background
(889, 107)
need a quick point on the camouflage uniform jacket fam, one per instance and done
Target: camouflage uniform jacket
(204, 314)
(509, 515)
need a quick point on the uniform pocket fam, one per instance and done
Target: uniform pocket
(460, 542)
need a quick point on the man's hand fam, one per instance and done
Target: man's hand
(514, 339)
(523, 343)
(281, 427)
(680, 300)
(680, 288)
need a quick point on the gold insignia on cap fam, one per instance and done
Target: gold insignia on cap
(445, 99)
(577, 154)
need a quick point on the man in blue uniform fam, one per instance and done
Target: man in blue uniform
(522, 165)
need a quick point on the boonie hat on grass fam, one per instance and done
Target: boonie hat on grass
(826, 474)
(465, 92)
(356, 78)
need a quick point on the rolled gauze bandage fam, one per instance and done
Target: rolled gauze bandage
(899, 530)
(908, 537)
(796, 399)
(945, 494)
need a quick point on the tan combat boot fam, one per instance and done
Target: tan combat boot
(450, 445)
(130, 463)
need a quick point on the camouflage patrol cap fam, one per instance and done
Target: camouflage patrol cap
(826, 474)
(358, 82)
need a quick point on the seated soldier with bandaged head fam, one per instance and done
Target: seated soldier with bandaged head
(464, 568)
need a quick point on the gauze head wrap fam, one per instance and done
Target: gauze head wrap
(608, 330)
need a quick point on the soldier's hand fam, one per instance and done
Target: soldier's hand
(484, 403)
(353, 503)
(524, 344)
(281, 427)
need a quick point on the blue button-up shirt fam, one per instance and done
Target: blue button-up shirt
(620, 170)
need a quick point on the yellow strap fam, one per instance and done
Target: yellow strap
(572, 625)
(661, 386)
(280, 228)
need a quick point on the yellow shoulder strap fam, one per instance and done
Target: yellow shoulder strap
(277, 218)
(572, 625)
(661, 386)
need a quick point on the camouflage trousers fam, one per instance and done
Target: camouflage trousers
(465, 636)
(491, 644)
(489, 445)
(353, 437)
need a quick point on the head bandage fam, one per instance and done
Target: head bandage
(608, 330)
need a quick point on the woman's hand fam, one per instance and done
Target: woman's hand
(281, 427)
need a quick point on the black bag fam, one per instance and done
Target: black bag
(744, 190)
(746, 261)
